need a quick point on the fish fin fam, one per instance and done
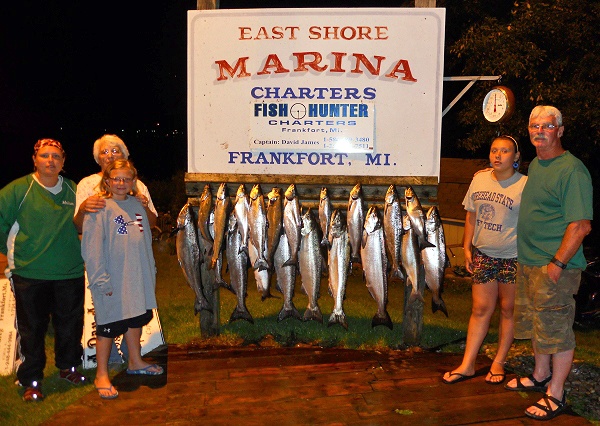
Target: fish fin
(338, 319)
(261, 265)
(267, 295)
(439, 306)
(425, 244)
(240, 313)
(382, 320)
(325, 243)
(290, 262)
(313, 314)
(289, 313)
(201, 305)
(243, 249)
(225, 285)
(447, 264)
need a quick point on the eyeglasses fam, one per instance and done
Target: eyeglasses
(113, 151)
(543, 127)
(121, 179)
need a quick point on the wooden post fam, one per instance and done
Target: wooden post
(209, 322)
(422, 3)
(207, 4)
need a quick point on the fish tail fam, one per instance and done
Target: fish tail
(313, 314)
(241, 313)
(338, 319)
(382, 319)
(414, 295)
(289, 313)
(439, 306)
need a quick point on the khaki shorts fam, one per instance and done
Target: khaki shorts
(544, 310)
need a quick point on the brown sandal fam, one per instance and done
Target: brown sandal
(33, 393)
(72, 376)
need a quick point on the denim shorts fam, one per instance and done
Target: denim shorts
(545, 310)
(115, 329)
(486, 269)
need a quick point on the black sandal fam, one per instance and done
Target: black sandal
(561, 406)
(536, 387)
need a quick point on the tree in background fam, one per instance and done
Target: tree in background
(547, 52)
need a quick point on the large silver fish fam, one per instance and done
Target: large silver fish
(339, 266)
(204, 211)
(240, 210)
(392, 230)
(325, 211)
(375, 266)
(311, 265)
(355, 220)
(222, 207)
(274, 221)
(292, 224)
(435, 259)
(208, 248)
(257, 220)
(237, 263)
(411, 259)
(286, 280)
(188, 255)
(417, 216)
(261, 276)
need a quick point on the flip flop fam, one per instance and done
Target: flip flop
(147, 371)
(561, 406)
(112, 395)
(536, 387)
(461, 378)
(490, 382)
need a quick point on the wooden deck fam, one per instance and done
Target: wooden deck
(303, 386)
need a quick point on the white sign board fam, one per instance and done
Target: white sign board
(315, 91)
(151, 338)
(8, 332)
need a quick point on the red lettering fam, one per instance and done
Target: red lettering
(240, 64)
(273, 62)
(403, 68)
(314, 64)
(362, 59)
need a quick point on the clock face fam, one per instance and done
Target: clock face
(495, 105)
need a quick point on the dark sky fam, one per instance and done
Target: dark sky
(76, 70)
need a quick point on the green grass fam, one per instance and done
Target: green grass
(181, 326)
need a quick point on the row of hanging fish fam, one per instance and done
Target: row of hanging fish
(273, 236)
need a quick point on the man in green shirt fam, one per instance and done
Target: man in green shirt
(555, 216)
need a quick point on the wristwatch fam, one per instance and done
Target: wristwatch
(558, 263)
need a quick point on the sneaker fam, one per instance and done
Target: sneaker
(72, 376)
(33, 393)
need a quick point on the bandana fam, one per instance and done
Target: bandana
(47, 142)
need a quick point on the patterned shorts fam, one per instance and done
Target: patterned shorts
(486, 269)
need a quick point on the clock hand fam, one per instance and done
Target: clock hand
(494, 102)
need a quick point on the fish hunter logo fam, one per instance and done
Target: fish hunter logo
(311, 114)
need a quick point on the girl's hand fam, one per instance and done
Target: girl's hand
(93, 204)
(108, 294)
(469, 261)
